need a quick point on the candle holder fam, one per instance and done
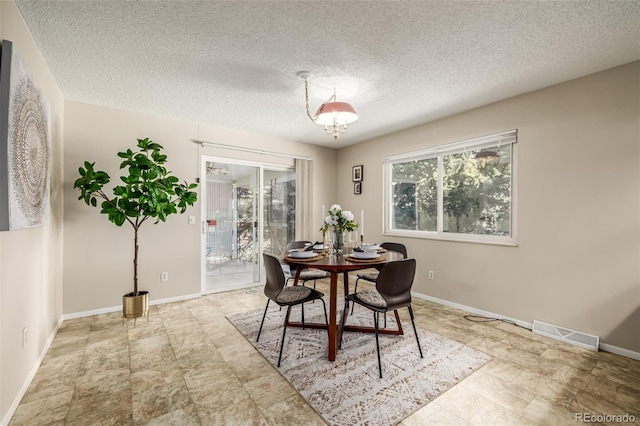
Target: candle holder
(323, 239)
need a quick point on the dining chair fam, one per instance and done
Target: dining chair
(309, 274)
(392, 292)
(277, 291)
(373, 275)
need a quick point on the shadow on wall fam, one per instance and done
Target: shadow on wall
(627, 334)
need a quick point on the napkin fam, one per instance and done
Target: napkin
(310, 248)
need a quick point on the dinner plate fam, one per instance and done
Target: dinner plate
(302, 254)
(364, 254)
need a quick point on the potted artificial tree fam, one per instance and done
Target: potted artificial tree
(149, 192)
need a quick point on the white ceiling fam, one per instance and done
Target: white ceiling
(399, 63)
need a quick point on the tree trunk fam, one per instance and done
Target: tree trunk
(135, 261)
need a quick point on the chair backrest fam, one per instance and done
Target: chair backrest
(400, 248)
(297, 244)
(394, 282)
(275, 276)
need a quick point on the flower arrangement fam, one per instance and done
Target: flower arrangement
(338, 219)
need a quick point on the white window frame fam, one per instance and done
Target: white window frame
(494, 140)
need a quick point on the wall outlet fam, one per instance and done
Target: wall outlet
(24, 337)
(164, 276)
(432, 275)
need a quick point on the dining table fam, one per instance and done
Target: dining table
(337, 264)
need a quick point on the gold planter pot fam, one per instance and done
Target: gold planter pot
(135, 306)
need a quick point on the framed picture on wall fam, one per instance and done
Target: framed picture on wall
(357, 187)
(357, 174)
(25, 145)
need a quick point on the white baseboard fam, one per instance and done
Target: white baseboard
(14, 405)
(619, 351)
(119, 307)
(524, 324)
(603, 346)
(90, 313)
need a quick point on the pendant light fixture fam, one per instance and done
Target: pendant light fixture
(333, 115)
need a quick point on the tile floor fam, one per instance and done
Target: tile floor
(189, 366)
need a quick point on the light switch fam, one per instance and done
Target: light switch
(192, 220)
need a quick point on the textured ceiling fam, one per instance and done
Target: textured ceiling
(399, 63)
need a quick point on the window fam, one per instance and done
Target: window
(463, 191)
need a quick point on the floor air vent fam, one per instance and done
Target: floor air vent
(566, 335)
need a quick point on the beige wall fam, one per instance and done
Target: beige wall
(98, 266)
(30, 259)
(578, 210)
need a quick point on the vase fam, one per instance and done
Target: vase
(135, 306)
(338, 241)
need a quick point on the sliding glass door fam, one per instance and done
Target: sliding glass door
(279, 197)
(247, 209)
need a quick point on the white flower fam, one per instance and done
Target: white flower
(340, 220)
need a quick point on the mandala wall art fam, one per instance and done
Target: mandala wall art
(25, 146)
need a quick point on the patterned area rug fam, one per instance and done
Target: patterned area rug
(349, 391)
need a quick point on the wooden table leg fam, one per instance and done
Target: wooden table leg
(295, 282)
(398, 322)
(297, 277)
(333, 298)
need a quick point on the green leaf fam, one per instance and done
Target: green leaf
(151, 175)
(148, 188)
(154, 146)
(118, 218)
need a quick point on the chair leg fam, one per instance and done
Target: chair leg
(414, 330)
(375, 324)
(263, 316)
(355, 289)
(284, 331)
(345, 312)
(302, 309)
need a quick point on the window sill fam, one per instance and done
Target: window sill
(459, 238)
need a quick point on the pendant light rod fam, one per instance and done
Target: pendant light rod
(305, 75)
